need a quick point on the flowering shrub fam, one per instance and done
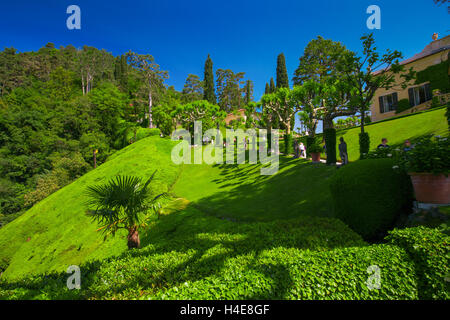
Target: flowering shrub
(429, 155)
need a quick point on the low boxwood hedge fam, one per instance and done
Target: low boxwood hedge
(369, 195)
(430, 251)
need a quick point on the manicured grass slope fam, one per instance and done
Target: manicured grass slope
(396, 131)
(241, 193)
(57, 233)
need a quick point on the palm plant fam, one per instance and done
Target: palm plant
(122, 203)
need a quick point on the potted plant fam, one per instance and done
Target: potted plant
(315, 149)
(428, 164)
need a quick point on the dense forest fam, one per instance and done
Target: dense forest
(64, 111)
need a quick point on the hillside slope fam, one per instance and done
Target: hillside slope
(57, 232)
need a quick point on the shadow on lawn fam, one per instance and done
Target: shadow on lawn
(299, 188)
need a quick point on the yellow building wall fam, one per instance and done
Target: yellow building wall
(417, 65)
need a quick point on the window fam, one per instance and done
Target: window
(419, 95)
(388, 102)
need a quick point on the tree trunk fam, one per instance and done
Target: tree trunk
(82, 84)
(362, 122)
(288, 126)
(133, 238)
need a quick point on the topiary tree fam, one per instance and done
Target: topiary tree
(122, 203)
(330, 142)
(364, 144)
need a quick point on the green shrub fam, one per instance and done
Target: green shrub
(402, 105)
(288, 147)
(364, 144)
(429, 155)
(369, 195)
(330, 142)
(430, 251)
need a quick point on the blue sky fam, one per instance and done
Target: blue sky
(240, 35)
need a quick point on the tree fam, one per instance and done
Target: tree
(267, 89)
(284, 104)
(210, 114)
(122, 203)
(282, 76)
(441, 2)
(318, 61)
(248, 92)
(309, 96)
(272, 87)
(229, 95)
(121, 72)
(151, 75)
(366, 74)
(193, 89)
(208, 80)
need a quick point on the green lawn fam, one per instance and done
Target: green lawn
(241, 193)
(396, 131)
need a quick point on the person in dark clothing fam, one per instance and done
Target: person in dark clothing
(383, 144)
(343, 151)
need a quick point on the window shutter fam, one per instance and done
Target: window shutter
(428, 93)
(394, 101)
(411, 97)
(380, 99)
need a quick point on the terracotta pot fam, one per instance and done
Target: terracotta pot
(315, 156)
(431, 188)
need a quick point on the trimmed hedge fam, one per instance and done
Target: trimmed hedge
(288, 144)
(369, 195)
(364, 144)
(330, 141)
(430, 251)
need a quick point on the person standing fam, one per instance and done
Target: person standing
(296, 150)
(302, 150)
(343, 151)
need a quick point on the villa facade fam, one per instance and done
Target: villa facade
(419, 95)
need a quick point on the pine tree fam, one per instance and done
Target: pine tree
(248, 92)
(267, 90)
(209, 94)
(272, 88)
(282, 76)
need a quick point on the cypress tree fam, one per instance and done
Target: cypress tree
(282, 76)
(267, 90)
(209, 94)
(272, 86)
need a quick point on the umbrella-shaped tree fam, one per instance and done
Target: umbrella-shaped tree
(123, 203)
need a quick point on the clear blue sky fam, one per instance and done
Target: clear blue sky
(240, 35)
